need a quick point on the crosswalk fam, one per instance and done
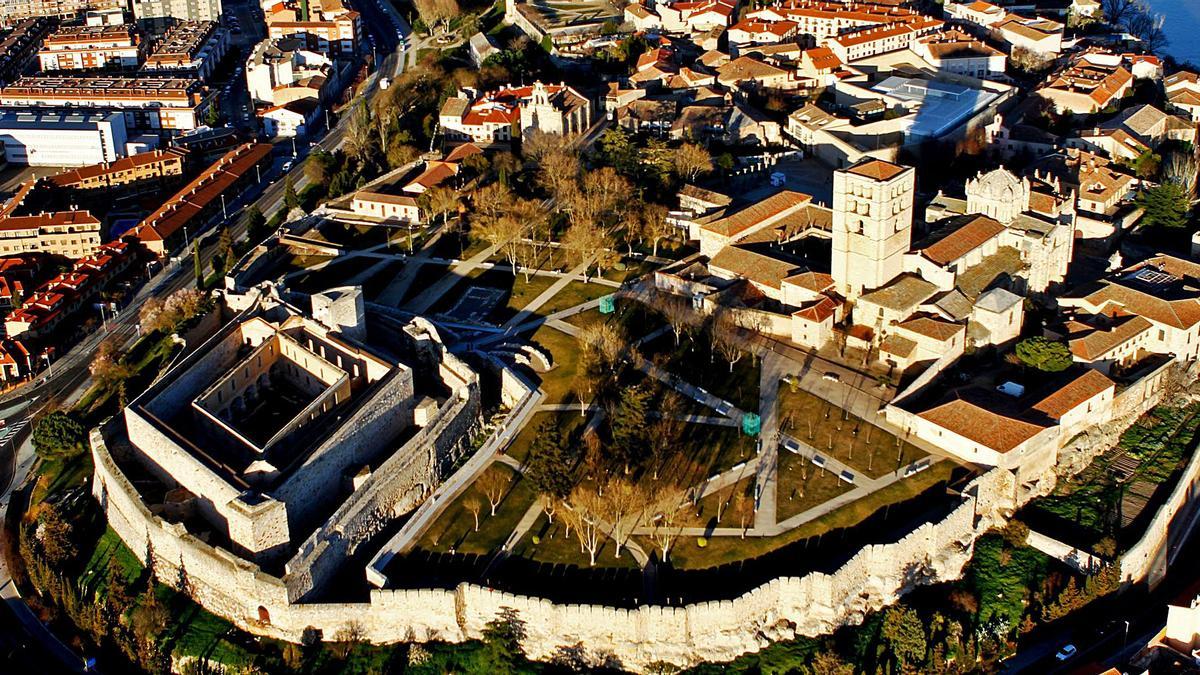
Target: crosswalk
(13, 430)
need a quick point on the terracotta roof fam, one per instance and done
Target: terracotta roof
(823, 58)
(1183, 313)
(975, 233)
(904, 293)
(900, 346)
(746, 264)
(758, 213)
(383, 198)
(818, 310)
(877, 169)
(985, 427)
(1088, 385)
(816, 282)
(929, 327)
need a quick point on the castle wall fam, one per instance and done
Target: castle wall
(398, 486)
(384, 415)
(783, 608)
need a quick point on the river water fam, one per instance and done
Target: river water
(1182, 26)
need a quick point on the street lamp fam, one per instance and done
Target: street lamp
(49, 364)
(224, 211)
(1125, 641)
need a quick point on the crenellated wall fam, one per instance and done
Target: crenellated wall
(714, 631)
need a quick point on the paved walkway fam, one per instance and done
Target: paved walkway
(545, 296)
(456, 273)
(1081, 561)
(448, 491)
(767, 477)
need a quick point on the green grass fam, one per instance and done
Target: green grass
(721, 502)
(455, 528)
(836, 432)
(559, 382)
(803, 485)
(554, 546)
(723, 550)
(574, 293)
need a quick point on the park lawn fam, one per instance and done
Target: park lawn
(455, 528)
(803, 485)
(554, 547)
(585, 317)
(524, 292)
(704, 514)
(693, 361)
(630, 268)
(837, 432)
(722, 550)
(558, 383)
(714, 448)
(574, 293)
(567, 422)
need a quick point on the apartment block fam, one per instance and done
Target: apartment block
(161, 104)
(189, 48)
(332, 27)
(92, 48)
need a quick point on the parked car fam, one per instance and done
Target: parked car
(831, 376)
(1067, 652)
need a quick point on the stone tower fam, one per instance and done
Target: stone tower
(872, 224)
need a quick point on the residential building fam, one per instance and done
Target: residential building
(72, 234)
(185, 10)
(1183, 94)
(61, 138)
(757, 32)
(332, 27)
(1150, 307)
(979, 13)
(19, 47)
(12, 11)
(189, 48)
(205, 196)
(64, 295)
(92, 48)
(19, 275)
(281, 71)
(159, 166)
(959, 53)
(387, 208)
(166, 105)
(747, 72)
(513, 112)
(874, 41)
(292, 119)
(819, 20)
(1086, 86)
(1040, 36)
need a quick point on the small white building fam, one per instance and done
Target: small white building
(292, 119)
(61, 139)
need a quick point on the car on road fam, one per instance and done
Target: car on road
(831, 377)
(287, 166)
(1067, 652)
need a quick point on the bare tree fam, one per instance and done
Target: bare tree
(1181, 169)
(668, 430)
(743, 508)
(587, 241)
(729, 338)
(474, 505)
(667, 511)
(653, 225)
(505, 233)
(584, 509)
(624, 501)
(494, 483)
(677, 311)
(550, 505)
(691, 161)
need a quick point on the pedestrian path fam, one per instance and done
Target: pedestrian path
(545, 296)
(437, 290)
